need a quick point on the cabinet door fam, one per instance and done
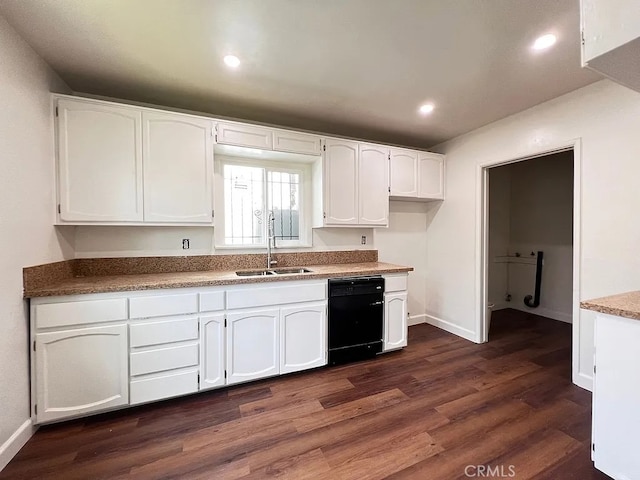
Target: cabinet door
(341, 182)
(252, 345)
(373, 185)
(243, 135)
(294, 142)
(431, 176)
(303, 337)
(395, 320)
(212, 351)
(403, 173)
(99, 162)
(616, 396)
(178, 168)
(81, 371)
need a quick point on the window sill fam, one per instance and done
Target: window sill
(261, 247)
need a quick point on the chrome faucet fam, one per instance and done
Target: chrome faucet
(271, 237)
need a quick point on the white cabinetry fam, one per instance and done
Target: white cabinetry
(373, 185)
(294, 142)
(212, 351)
(178, 168)
(243, 135)
(356, 184)
(99, 162)
(430, 176)
(303, 337)
(80, 371)
(252, 344)
(403, 173)
(341, 182)
(395, 312)
(616, 396)
(611, 39)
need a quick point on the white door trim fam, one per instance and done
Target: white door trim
(482, 241)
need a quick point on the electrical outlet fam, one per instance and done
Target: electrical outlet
(363, 241)
(185, 244)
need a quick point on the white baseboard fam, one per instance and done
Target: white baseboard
(451, 328)
(16, 441)
(417, 319)
(584, 381)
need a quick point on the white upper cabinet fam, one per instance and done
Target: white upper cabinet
(99, 162)
(294, 142)
(178, 168)
(403, 174)
(243, 135)
(611, 39)
(430, 175)
(341, 182)
(373, 185)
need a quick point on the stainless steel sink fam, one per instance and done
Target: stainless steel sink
(290, 271)
(255, 273)
(279, 271)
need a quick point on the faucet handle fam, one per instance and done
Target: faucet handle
(273, 262)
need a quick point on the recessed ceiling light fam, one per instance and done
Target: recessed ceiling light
(231, 61)
(544, 42)
(426, 109)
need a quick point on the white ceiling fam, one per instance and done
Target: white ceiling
(357, 68)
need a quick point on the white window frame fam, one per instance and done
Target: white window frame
(304, 217)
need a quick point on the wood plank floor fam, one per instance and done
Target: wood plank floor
(427, 412)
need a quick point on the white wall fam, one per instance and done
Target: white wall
(405, 243)
(537, 214)
(27, 236)
(605, 117)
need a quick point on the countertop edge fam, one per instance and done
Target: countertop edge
(141, 285)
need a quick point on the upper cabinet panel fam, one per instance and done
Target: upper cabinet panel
(178, 168)
(404, 173)
(373, 185)
(294, 142)
(341, 182)
(99, 162)
(242, 135)
(431, 176)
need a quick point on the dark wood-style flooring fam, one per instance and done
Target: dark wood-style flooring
(427, 412)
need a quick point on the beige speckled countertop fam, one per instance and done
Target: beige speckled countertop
(64, 279)
(623, 305)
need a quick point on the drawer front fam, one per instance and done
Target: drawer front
(168, 331)
(211, 301)
(395, 283)
(165, 386)
(262, 296)
(163, 305)
(80, 313)
(162, 359)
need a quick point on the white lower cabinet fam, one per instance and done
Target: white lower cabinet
(395, 320)
(252, 344)
(303, 337)
(81, 371)
(616, 396)
(212, 341)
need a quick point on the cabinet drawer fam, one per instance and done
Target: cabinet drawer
(168, 331)
(245, 136)
(163, 305)
(294, 142)
(162, 359)
(80, 313)
(395, 283)
(164, 386)
(262, 296)
(211, 301)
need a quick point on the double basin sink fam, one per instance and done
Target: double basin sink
(277, 271)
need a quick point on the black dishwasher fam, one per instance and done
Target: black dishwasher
(356, 311)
